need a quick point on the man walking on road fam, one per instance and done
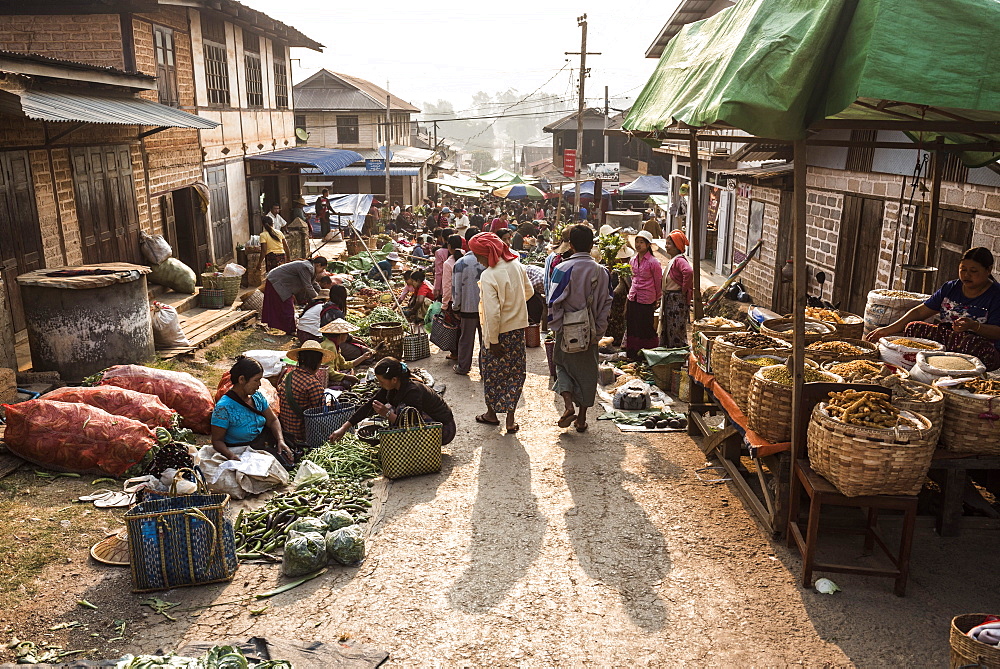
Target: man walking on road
(323, 212)
(465, 300)
(578, 283)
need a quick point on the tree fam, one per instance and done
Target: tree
(482, 161)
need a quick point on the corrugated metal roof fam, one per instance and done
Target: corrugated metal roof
(593, 119)
(762, 171)
(72, 64)
(66, 106)
(333, 99)
(362, 172)
(326, 161)
(335, 91)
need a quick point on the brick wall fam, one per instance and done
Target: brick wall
(824, 211)
(758, 277)
(89, 38)
(66, 198)
(47, 209)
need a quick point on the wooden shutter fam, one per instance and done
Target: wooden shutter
(21, 250)
(105, 203)
(166, 67)
(222, 230)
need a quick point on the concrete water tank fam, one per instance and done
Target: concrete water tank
(86, 318)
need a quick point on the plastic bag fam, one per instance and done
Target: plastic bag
(346, 545)
(224, 478)
(304, 554)
(72, 437)
(271, 361)
(432, 311)
(309, 472)
(174, 274)
(924, 372)
(154, 248)
(267, 389)
(307, 526)
(899, 355)
(334, 520)
(142, 407)
(232, 269)
(167, 331)
(180, 391)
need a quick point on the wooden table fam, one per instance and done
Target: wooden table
(768, 499)
(956, 467)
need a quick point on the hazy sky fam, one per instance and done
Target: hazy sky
(450, 50)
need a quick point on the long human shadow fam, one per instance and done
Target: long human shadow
(507, 529)
(614, 540)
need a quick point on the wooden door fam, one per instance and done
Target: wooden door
(783, 298)
(218, 208)
(190, 241)
(21, 250)
(956, 237)
(105, 203)
(857, 252)
(254, 191)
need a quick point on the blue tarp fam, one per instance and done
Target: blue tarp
(647, 184)
(587, 190)
(327, 161)
(357, 204)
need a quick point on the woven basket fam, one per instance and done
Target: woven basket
(715, 329)
(416, 346)
(230, 285)
(852, 328)
(965, 428)
(253, 302)
(781, 328)
(211, 299)
(932, 410)
(722, 354)
(869, 461)
(770, 407)
(741, 372)
(966, 651)
(550, 352)
(354, 247)
(869, 351)
(8, 385)
(390, 335)
(532, 335)
(252, 278)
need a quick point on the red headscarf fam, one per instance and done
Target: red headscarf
(679, 239)
(489, 245)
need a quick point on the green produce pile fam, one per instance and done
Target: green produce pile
(360, 393)
(349, 462)
(219, 657)
(377, 315)
(651, 420)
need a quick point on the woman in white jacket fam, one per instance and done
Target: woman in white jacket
(504, 290)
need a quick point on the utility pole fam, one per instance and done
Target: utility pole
(388, 121)
(435, 134)
(582, 22)
(606, 109)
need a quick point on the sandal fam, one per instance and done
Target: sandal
(481, 418)
(93, 497)
(567, 419)
(512, 430)
(115, 501)
(581, 428)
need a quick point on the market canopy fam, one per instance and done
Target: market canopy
(459, 182)
(351, 208)
(520, 191)
(326, 161)
(780, 69)
(496, 175)
(586, 190)
(661, 201)
(462, 192)
(647, 184)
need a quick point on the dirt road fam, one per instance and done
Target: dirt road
(550, 547)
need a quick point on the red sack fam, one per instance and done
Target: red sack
(266, 388)
(180, 391)
(142, 407)
(72, 437)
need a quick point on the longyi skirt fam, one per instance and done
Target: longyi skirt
(503, 378)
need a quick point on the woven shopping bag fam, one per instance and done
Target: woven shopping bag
(412, 448)
(180, 541)
(416, 346)
(444, 334)
(321, 421)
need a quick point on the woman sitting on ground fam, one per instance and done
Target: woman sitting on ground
(241, 415)
(421, 299)
(337, 333)
(336, 308)
(398, 391)
(301, 389)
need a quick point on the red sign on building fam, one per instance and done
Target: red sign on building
(569, 163)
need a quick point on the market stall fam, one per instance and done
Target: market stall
(838, 67)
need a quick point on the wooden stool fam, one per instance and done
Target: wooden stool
(822, 492)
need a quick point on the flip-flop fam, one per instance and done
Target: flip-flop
(512, 430)
(581, 428)
(481, 418)
(566, 419)
(93, 497)
(115, 501)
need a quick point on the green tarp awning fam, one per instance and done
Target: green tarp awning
(776, 69)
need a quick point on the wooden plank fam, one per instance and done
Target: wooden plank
(9, 463)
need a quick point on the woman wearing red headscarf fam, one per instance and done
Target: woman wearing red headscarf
(676, 293)
(504, 290)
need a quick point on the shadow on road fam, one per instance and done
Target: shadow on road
(507, 529)
(614, 540)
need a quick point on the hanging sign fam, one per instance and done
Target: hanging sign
(569, 163)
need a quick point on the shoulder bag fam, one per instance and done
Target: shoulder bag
(578, 329)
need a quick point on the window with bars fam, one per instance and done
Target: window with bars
(255, 80)
(347, 130)
(166, 69)
(213, 32)
(280, 77)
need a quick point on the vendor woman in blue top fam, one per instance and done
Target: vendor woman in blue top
(241, 415)
(968, 310)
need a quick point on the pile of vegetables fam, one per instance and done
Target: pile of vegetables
(655, 419)
(219, 657)
(345, 491)
(867, 409)
(377, 315)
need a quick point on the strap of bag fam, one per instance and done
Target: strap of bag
(231, 394)
(409, 417)
(289, 397)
